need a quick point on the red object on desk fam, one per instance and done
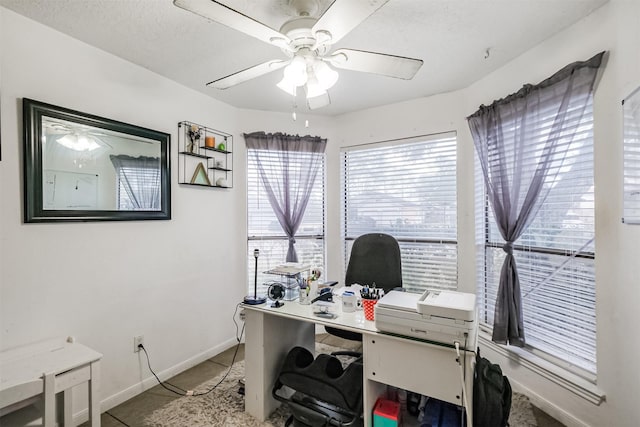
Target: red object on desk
(367, 306)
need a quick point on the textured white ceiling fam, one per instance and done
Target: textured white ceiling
(451, 36)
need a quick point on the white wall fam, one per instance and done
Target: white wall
(175, 282)
(616, 28)
(180, 288)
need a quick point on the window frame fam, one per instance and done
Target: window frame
(405, 242)
(484, 216)
(263, 279)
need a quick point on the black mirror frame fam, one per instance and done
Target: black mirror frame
(33, 111)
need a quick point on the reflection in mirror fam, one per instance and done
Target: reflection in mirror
(89, 168)
(83, 167)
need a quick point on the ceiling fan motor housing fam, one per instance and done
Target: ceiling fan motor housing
(298, 30)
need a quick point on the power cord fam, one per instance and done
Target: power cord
(463, 376)
(182, 392)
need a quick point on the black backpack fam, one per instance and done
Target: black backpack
(491, 395)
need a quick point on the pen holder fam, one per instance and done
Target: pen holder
(305, 296)
(367, 306)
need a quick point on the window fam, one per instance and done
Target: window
(264, 231)
(406, 189)
(138, 183)
(554, 256)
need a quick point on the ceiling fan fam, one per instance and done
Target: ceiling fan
(307, 42)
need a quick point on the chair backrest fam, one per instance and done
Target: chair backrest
(375, 257)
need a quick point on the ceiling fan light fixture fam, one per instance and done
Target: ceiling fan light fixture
(325, 75)
(286, 85)
(314, 88)
(296, 72)
(78, 142)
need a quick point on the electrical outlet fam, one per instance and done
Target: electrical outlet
(242, 315)
(137, 341)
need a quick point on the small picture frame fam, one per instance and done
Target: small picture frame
(200, 176)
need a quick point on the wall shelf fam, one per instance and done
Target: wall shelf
(202, 156)
(205, 156)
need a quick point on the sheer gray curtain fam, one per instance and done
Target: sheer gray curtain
(140, 179)
(501, 132)
(288, 188)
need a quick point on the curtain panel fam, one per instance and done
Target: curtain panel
(140, 179)
(503, 133)
(288, 187)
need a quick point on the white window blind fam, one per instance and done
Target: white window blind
(264, 230)
(406, 189)
(631, 110)
(554, 256)
(143, 182)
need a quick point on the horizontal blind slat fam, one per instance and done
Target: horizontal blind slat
(407, 190)
(558, 305)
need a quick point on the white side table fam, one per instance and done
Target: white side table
(47, 368)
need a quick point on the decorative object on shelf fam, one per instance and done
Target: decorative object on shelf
(221, 182)
(200, 176)
(199, 147)
(194, 133)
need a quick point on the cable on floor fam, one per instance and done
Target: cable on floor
(182, 392)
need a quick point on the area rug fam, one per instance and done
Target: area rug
(224, 406)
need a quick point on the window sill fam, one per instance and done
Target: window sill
(562, 377)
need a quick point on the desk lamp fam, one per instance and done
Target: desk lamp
(255, 299)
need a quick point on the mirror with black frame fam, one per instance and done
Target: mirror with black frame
(81, 167)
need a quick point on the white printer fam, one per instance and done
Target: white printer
(436, 315)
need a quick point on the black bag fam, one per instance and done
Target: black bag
(491, 395)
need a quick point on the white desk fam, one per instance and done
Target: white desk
(47, 368)
(422, 367)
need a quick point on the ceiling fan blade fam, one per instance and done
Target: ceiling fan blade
(231, 18)
(318, 101)
(247, 74)
(377, 63)
(344, 15)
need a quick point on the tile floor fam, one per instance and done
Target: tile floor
(132, 412)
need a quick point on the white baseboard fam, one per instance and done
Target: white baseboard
(149, 382)
(550, 408)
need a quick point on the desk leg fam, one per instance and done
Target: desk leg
(49, 400)
(268, 340)
(94, 394)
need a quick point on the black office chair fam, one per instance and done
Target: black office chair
(375, 258)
